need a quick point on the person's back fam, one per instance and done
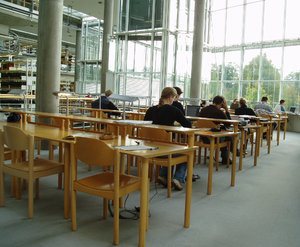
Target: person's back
(166, 115)
(211, 111)
(263, 106)
(243, 109)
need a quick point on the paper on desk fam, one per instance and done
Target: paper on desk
(133, 121)
(136, 147)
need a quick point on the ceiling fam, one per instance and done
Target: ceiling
(29, 25)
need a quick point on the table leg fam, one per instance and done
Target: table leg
(67, 153)
(211, 165)
(256, 152)
(285, 126)
(233, 161)
(241, 149)
(270, 129)
(143, 203)
(188, 192)
(278, 131)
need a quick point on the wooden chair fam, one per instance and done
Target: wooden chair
(26, 167)
(111, 185)
(169, 161)
(218, 145)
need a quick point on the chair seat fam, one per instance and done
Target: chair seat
(41, 168)
(103, 184)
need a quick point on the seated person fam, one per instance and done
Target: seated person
(215, 111)
(279, 109)
(235, 104)
(176, 102)
(166, 114)
(263, 106)
(106, 103)
(243, 109)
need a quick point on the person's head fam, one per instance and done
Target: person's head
(264, 99)
(235, 101)
(178, 91)
(242, 102)
(282, 101)
(108, 93)
(168, 94)
(218, 101)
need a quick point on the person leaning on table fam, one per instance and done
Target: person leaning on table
(166, 114)
(106, 103)
(219, 110)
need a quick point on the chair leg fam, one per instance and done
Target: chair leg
(217, 155)
(116, 222)
(2, 195)
(37, 189)
(105, 208)
(205, 155)
(169, 180)
(30, 198)
(199, 155)
(73, 211)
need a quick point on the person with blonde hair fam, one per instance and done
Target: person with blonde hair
(166, 114)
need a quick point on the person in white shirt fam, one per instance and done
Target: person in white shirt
(280, 108)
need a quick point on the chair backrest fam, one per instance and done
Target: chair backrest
(154, 134)
(17, 139)
(93, 152)
(204, 124)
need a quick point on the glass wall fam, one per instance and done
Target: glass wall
(250, 48)
(154, 46)
(254, 45)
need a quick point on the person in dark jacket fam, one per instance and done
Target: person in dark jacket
(176, 102)
(244, 109)
(166, 114)
(218, 109)
(106, 103)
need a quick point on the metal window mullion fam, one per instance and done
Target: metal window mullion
(240, 90)
(223, 60)
(283, 49)
(260, 60)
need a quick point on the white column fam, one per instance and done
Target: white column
(49, 54)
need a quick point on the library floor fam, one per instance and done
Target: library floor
(263, 209)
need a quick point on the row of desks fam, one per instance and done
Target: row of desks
(59, 134)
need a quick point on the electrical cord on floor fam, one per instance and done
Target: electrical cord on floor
(135, 213)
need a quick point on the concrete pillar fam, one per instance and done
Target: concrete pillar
(197, 50)
(107, 32)
(49, 54)
(77, 57)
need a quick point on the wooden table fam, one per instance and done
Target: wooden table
(212, 136)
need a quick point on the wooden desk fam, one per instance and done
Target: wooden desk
(212, 136)
(145, 156)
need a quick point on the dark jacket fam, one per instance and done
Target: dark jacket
(105, 104)
(212, 111)
(166, 115)
(178, 105)
(244, 110)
